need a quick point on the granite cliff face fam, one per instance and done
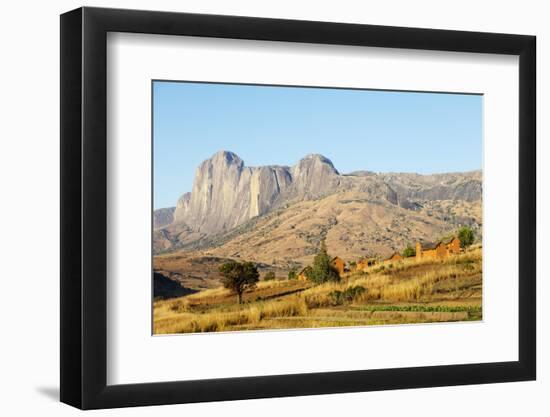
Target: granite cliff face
(227, 194)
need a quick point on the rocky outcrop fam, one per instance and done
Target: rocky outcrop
(227, 193)
(465, 186)
(314, 176)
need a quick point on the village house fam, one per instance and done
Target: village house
(303, 274)
(396, 256)
(338, 264)
(438, 250)
(453, 245)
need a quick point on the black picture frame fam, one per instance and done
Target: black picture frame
(84, 207)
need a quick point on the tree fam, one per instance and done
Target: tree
(239, 277)
(293, 274)
(409, 251)
(269, 276)
(322, 269)
(466, 236)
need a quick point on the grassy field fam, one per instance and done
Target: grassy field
(405, 292)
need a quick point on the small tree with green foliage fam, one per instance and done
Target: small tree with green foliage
(293, 273)
(466, 236)
(408, 252)
(239, 277)
(269, 276)
(322, 269)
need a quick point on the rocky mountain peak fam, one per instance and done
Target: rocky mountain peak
(226, 158)
(314, 175)
(315, 161)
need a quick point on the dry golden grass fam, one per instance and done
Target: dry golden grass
(169, 321)
(448, 290)
(263, 289)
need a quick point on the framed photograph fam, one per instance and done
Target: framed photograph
(259, 208)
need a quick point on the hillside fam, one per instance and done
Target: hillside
(407, 292)
(352, 226)
(197, 272)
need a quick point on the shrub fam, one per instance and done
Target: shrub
(336, 298)
(408, 252)
(347, 296)
(351, 293)
(466, 236)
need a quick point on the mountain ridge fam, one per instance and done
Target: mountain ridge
(226, 193)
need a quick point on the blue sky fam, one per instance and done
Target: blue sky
(378, 131)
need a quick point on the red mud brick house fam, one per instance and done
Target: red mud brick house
(396, 256)
(338, 264)
(303, 274)
(438, 250)
(453, 245)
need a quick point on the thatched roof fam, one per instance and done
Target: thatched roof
(449, 240)
(305, 269)
(430, 245)
(433, 245)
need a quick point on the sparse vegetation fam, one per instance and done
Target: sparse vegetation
(410, 292)
(466, 236)
(346, 296)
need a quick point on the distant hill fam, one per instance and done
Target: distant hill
(163, 217)
(164, 287)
